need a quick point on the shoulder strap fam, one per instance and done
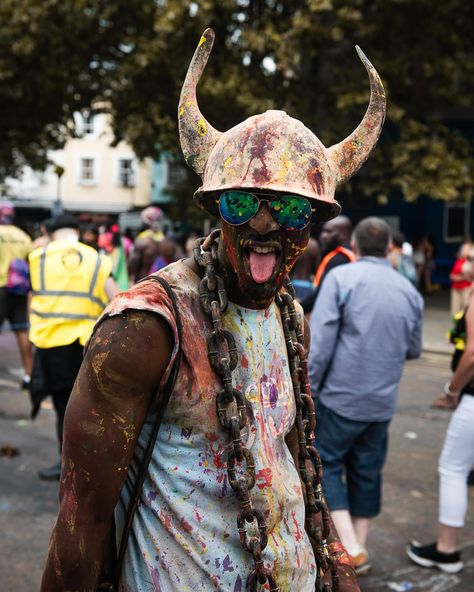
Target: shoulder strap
(324, 263)
(347, 252)
(137, 489)
(322, 268)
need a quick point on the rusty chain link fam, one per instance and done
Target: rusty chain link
(232, 415)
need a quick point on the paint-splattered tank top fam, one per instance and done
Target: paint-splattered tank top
(185, 536)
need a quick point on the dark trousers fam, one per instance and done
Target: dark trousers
(353, 454)
(56, 369)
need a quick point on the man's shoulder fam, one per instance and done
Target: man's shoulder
(339, 258)
(149, 293)
(390, 280)
(10, 230)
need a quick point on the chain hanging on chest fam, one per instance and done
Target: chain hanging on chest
(232, 416)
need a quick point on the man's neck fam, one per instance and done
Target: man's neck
(68, 234)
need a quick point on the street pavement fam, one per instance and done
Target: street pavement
(28, 506)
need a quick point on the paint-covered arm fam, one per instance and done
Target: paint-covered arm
(345, 569)
(120, 374)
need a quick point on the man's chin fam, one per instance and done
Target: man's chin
(260, 293)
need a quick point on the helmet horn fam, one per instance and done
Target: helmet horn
(196, 135)
(350, 154)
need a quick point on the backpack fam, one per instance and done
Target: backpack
(18, 278)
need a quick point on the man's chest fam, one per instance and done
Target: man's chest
(261, 375)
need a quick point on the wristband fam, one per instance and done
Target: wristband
(448, 392)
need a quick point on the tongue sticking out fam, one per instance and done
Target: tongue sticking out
(262, 266)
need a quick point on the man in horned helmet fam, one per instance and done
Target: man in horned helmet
(192, 415)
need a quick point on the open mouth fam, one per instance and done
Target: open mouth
(262, 259)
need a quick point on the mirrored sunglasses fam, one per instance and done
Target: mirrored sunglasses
(291, 212)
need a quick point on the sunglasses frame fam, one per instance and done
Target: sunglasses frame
(268, 201)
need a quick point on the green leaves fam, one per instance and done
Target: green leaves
(131, 55)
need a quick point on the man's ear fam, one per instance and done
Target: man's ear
(354, 248)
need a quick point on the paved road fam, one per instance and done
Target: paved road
(28, 506)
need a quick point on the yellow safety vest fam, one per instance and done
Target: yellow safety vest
(68, 284)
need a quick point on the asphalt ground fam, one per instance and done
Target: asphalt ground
(28, 506)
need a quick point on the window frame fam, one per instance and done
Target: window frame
(94, 180)
(447, 207)
(118, 171)
(87, 124)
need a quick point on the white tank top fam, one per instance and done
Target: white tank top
(185, 535)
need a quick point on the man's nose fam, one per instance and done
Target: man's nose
(263, 221)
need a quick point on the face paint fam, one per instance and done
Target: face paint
(255, 263)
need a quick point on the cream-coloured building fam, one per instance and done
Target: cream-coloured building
(97, 177)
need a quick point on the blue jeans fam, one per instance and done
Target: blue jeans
(353, 454)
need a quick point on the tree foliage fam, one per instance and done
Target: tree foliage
(57, 57)
(298, 55)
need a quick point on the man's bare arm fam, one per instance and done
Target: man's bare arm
(118, 378)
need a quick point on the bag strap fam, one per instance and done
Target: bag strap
(132, 508)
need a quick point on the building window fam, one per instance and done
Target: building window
(87, 171)
(88, 127)
(86, 124)
(176, 173)
(126, 172)
(456, 222)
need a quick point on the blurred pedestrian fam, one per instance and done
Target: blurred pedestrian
(89, 235)
(302, 274)
(461, 276)
(71, 285)
(400, 261)
(146, 246)
(189, 243)
(44, 237)
(120, 248)
(423, 257)
(14, 283)
(153, 219)
(367, 321)
(336, 250)
(167, 253)
(455, 463)
(407, 248)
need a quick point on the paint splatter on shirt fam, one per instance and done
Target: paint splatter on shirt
(185, 534)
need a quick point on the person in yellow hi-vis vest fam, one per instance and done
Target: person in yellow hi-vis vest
(71, 285)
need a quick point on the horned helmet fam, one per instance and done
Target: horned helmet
(273, 151)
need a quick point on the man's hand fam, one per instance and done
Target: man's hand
(444, 402)
(121, 372)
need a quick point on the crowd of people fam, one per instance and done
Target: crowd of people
(53, 288)
(190, 421)
(355, 404)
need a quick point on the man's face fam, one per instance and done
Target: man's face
(89, 237)
(330, 236)
(258, 255)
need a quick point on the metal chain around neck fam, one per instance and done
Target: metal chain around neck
(232, 415)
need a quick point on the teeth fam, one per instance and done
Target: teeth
(262, 249)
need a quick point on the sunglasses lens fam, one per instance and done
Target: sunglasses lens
(238, 207)
(293, 212)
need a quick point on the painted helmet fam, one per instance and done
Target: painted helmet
(273, 151)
